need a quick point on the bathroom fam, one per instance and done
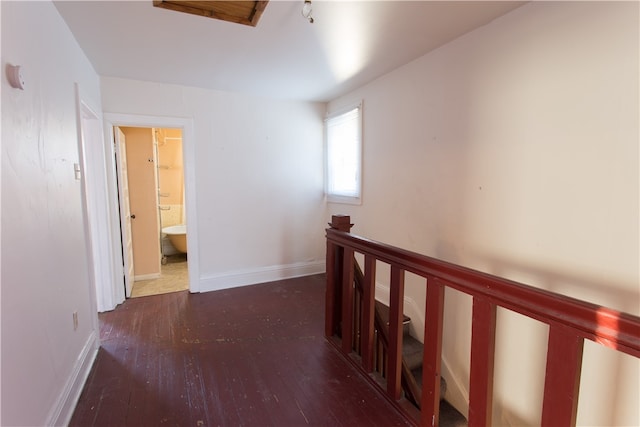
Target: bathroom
(171, 191)
(155, 178)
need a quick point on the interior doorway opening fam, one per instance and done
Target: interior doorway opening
(149, 164)
(122, 286)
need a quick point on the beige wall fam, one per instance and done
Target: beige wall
(514, 150)
(260, 204)
(141, 171)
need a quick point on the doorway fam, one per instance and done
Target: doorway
(149, 162)
(188, 214)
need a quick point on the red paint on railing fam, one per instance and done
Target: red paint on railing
(562, 379)
(483, 336)
(347, 299)
(570, 320)
(394, 361)
(368, 303)
(434, 312)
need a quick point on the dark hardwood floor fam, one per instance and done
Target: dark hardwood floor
(250, 356)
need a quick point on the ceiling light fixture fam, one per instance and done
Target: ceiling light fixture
(306, 11)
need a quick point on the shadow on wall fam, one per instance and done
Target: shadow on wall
(619, 296)
(607, 379)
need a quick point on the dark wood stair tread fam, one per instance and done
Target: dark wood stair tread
(450, 417)
(412, 352)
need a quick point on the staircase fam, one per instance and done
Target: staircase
(354, 325)
(412, 356)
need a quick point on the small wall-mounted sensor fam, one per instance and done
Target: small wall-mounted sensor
(14, 74)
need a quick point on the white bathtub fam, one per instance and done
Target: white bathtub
(177, 236)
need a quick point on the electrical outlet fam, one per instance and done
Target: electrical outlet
(75, 320)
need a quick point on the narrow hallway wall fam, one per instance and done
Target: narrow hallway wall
(258, 173)
(46, 275)
(514, 150)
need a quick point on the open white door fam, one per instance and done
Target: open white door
(125, 212)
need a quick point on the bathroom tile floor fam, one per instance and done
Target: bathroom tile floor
(174, 277)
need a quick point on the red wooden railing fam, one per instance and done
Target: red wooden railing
(570, 322)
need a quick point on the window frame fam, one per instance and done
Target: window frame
(341, 198)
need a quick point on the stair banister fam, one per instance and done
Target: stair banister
(334, 259)
(570, 322)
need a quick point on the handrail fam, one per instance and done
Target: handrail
(610, 328)
(570, 321)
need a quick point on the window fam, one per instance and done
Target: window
(343, 132)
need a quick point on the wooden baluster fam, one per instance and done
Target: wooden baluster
(331, 309)
(368, 304)
(483, 335)
(357, 317)
(347, 300)
(434, 309)
(394, 364)
(562, 380)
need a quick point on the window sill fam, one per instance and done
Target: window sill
(331, 198)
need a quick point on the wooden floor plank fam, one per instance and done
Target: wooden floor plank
(251, 356)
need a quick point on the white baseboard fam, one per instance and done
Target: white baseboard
(234, 279)
(60, 414)
(151, 276)
(457, 394)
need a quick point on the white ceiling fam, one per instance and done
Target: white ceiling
(350, 43)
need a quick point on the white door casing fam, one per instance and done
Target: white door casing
(112, 120)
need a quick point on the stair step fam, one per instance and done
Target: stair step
(384, 315)
(417, 373)
(449, 416)
(412, 349)
(412, 352)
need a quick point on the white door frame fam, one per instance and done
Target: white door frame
(188, 141)
(92, 175)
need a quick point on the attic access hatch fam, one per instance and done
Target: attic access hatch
(240, 12)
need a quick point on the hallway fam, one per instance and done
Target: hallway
(252, 356)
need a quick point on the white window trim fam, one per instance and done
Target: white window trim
(334, 198)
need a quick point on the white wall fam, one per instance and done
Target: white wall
(514, 150)
(258, 178)
(45, 266)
